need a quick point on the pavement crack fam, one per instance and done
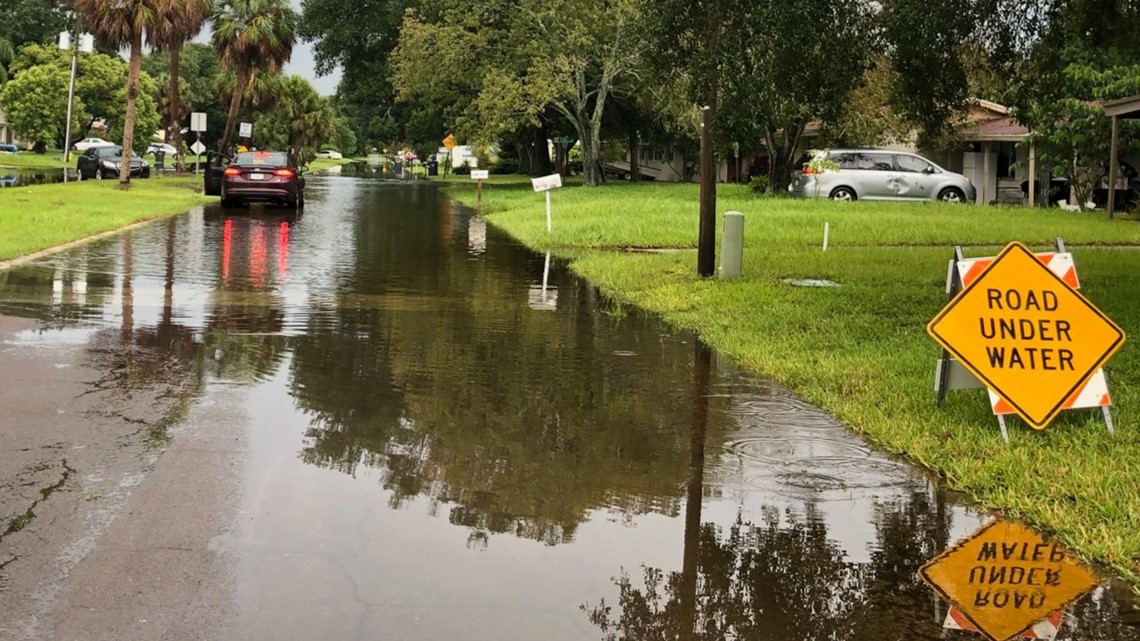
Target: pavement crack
(21, 521)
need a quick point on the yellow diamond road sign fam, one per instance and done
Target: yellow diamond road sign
(1026, 334)
(1006, 577)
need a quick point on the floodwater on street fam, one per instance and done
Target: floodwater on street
(385, 419)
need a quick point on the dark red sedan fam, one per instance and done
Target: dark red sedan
(263, 176)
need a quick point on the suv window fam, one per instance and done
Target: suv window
(875, 162)
(912, 164)
(846, 160)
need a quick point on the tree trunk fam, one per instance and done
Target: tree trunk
(562, 161)
(634, 157)
(231, 117)
(526, 157)
(132, 100)
(591, 154)
(542, 165)
(781, 156)
(176, 108)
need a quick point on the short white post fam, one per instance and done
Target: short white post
(826, 233)
(548, 211)
(732, 245)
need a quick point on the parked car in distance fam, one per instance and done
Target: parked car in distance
(104, 162)
(88, 143)
(877, 174)
(156, 147)
(263, 176)
(329, 153)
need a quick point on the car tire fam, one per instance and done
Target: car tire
(952, 195)
(843, 194)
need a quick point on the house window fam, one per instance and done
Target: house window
(1006, 160)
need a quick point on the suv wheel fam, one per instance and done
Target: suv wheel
(843, 194)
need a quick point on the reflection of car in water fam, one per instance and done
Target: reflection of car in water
(9, 181)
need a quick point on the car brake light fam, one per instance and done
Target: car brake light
(232, 171)
(807, 171)
(284, 173)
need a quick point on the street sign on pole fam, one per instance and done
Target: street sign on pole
(198, 148)
(198, 121)
(449, 142)
(1004, 578)
(1027, 334)
(245, 130)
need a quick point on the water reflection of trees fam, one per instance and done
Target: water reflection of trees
(494, 424)
(432, 374)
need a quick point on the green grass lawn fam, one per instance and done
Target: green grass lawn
(324, 163)
(37, 217)
(53, 159)
(860, 350)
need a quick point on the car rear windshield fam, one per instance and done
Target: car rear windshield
(262, 158)
(114, 152)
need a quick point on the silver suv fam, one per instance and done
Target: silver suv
(876, 174)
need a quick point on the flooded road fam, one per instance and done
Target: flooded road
(375, 421)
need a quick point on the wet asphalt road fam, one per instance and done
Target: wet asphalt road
(373, 421)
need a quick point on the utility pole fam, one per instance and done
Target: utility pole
(86, 44)
(706, 239)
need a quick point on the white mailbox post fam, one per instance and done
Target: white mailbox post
(547, 183)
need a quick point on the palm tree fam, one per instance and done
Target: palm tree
(251, 36)
(261, 94)
(119, 24)
(180, 23)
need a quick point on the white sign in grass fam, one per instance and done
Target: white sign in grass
(547, 183)
(480, 174)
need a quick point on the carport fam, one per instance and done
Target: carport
(1117, 109)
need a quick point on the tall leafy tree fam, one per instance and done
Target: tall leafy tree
(100, 90)
(35, 103)
(758, 71)
(536, 58)
(7, 54)
(359, 37)
(179, 23)
(1082, 55)
(125, 24)
(251, 36)
(32, 21)
(302, 120)
(930, 85)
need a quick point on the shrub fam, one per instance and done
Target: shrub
(505, 166)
